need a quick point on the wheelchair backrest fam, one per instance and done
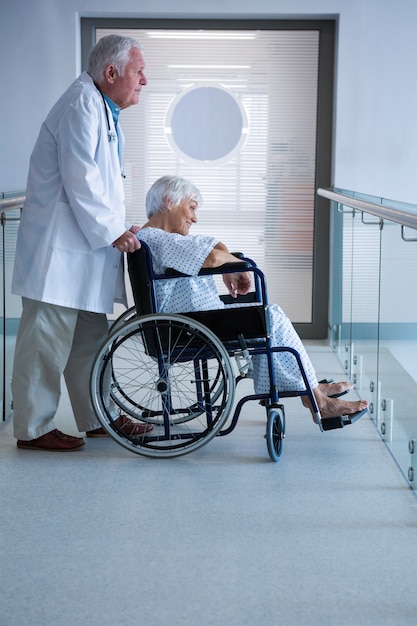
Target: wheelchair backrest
(139, 264)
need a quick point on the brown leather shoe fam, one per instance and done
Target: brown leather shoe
(54, 441)
(129, 427)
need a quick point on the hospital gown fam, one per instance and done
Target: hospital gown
(186, 254)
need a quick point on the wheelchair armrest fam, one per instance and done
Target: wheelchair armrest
(226, 268)
(172, 273)
(246, 298)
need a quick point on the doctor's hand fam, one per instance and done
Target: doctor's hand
(128, 242)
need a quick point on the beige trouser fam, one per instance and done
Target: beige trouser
(53, 341)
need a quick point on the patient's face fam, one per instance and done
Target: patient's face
(182, 217)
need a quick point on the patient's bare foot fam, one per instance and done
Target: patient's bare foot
(330, 389)
(332, 407)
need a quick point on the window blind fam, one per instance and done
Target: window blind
(259, 199)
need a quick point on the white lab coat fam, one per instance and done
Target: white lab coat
(74, 208)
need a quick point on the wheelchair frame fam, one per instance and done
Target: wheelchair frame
(175, 371)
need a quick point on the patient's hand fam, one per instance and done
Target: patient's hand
(238, 283)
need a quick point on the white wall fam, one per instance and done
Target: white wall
(375, 123)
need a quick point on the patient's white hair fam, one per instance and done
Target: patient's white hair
(172, 188)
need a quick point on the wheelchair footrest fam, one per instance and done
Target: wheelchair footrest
(330, 423)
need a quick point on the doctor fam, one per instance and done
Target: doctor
(73, 231)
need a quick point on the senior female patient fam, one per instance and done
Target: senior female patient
(171, 206)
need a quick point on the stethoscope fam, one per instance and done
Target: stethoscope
(111, 135)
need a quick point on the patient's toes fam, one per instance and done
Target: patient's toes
(333, 407)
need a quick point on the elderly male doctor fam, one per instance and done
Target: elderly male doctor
(73, 231)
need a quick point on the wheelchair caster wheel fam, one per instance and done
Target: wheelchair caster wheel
(275, 432)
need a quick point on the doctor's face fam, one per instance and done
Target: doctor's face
(182, 216)
(124, 90)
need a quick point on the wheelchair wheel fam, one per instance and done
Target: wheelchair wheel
(275, 431)
(126, 316)
(176, 375)
(120, 392)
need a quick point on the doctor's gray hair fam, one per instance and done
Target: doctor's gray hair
(172, 188)
(110, 50)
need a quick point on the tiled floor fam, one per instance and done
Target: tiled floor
(220, 537)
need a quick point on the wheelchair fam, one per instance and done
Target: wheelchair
(179, 372)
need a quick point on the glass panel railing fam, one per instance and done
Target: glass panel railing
(10, 207)
(341, 286)
(398, 344)
(365, 308)
(355, 301)
(373, 317)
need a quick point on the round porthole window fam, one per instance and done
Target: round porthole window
(206, 124)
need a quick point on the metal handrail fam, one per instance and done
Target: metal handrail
(401, 215)
(12, 203)
(8, 205)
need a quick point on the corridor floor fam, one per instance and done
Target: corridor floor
(220, 537)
